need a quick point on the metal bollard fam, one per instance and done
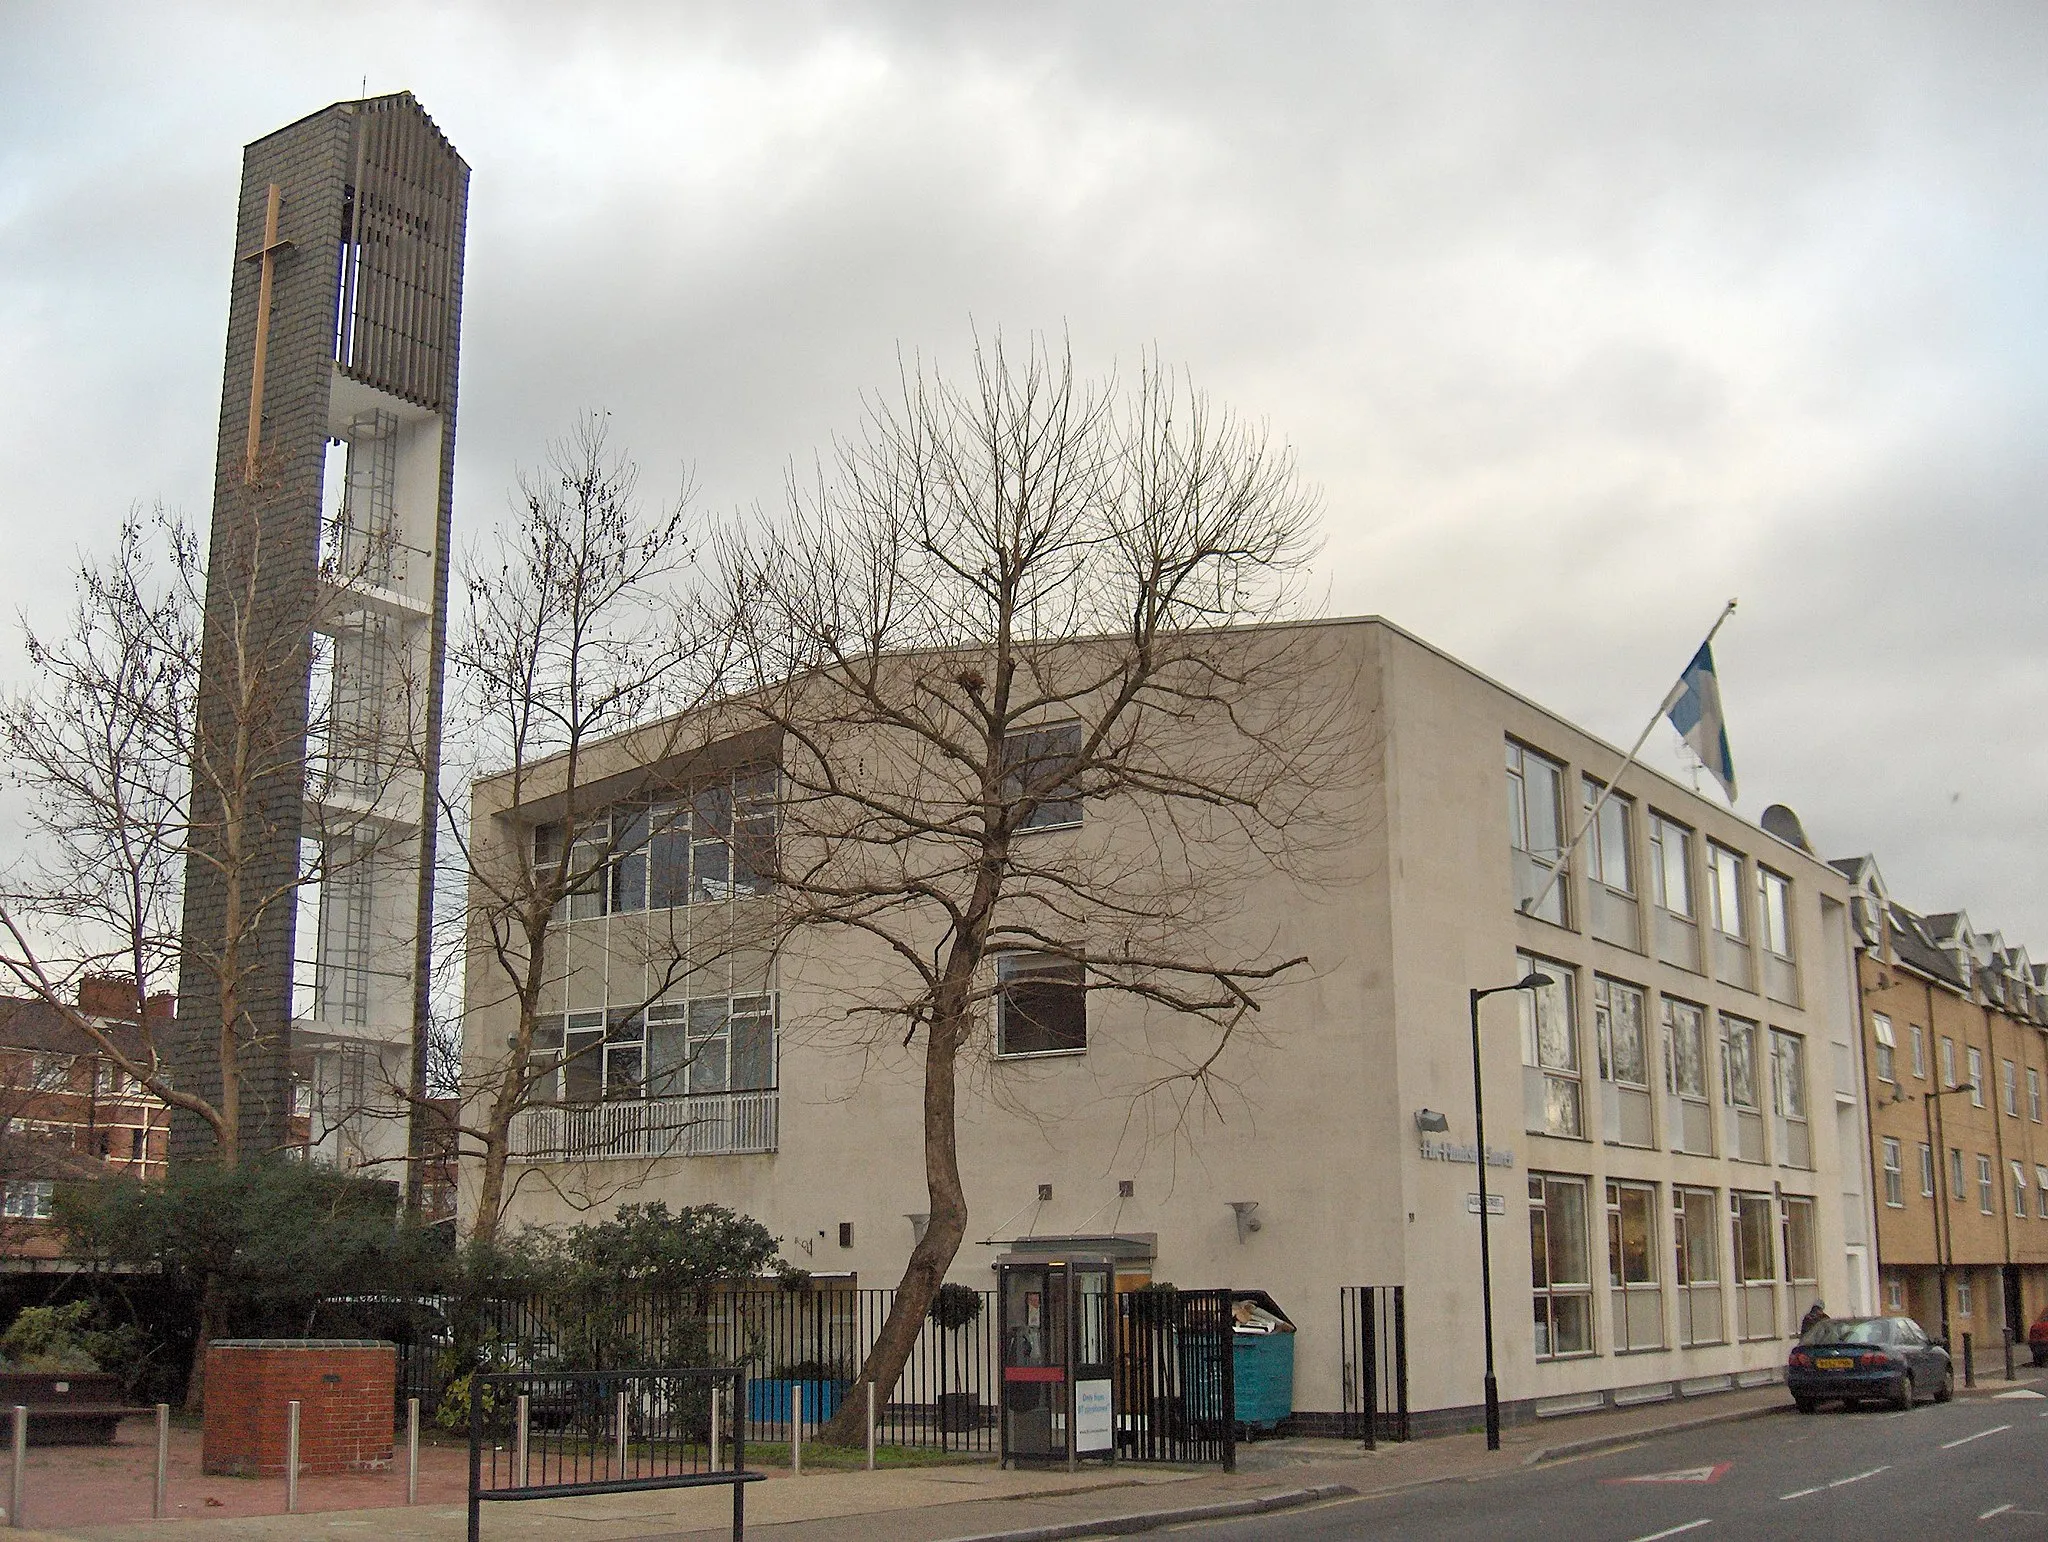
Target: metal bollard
(20, 1473)
(412, 1450)
(619, 1437)
(716, 1393)
(160, 1499)
(2008, 1352)
(796, 1429)
(520, 1447)
(871, 1426)
(1969, 1363)
(291, 1457)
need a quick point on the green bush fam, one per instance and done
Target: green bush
(65, 1338)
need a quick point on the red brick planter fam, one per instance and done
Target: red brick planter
(345, 1390)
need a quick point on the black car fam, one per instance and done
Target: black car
(1853, 1358)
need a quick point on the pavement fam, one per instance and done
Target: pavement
(970, 1502)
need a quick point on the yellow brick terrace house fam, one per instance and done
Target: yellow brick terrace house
(1675, 1133)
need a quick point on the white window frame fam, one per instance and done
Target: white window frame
(1973, 1057)
(1894, 1173)
(2009, 1087)
(1926, 1170)
(1662, 830)
(1724, 891)
(1887, 1048)
(1531, 1005)
(1023, 964)
(1774, 913)
(1985, 1185)
(1919, 1051)
(1549, 1292)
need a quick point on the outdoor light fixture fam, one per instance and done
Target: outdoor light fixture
(1429, 1119)
(1247, 1219)
(1534, 980)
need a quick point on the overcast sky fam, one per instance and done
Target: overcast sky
(1584, 318)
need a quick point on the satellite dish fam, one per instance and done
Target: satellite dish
(1784, 824)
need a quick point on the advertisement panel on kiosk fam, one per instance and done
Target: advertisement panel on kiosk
(1058, 1323)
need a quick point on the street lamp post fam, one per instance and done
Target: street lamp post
(1939, 1158)
(1534, 980)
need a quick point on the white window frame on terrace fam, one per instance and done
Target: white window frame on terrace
(1553, 1089)
(1536, 832)
(1887, 1050)
(1573, 1296)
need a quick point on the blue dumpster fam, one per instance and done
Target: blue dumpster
(1262, 1355)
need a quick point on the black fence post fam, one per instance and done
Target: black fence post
(1369, 1316)
(1969, 1363)
(476, 1455)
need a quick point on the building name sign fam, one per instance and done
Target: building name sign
(1460, 1151)
(1496, 1204)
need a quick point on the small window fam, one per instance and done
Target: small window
(1984, 1183)
(28, 1199)
(1881, 1027)
(2009, 1088)
(1964, 1299)
(1038, 771)
(1895, 1294)
(2019, 1191)
(1948, 1062)
(1774, 894)
(2041, 1191)
(1671, 864)
(1976, 1062)
(1608, 853)
(1926, 1171)
(1724, 890)
(2033, 1094)
(1955, 1175)
(1894, 1175)
(1041, 1005)
(1919, 1052)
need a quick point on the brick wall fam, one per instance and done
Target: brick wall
(345, 1389)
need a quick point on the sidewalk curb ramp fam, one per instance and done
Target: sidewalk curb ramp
(1616, 1438)
(1148, 1520)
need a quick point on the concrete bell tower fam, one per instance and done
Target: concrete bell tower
(309, 891)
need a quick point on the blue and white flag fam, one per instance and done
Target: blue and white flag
(1694, 707)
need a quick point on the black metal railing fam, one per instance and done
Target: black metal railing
(1175, 1382)
(1373, 1334)
(555, 1434)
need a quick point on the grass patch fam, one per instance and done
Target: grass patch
(775, 1453)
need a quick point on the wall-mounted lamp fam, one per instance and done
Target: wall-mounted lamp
(918, 1222)
(1247, 1220)
(1429, 1119)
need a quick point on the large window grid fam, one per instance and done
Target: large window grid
(1536, 832)
(1636, 1294)
(671, 1049)
(716, 845)
(1623, 1041)
(1551, 1093)
(1560, 1266)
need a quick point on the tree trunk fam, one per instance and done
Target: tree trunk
(209, 1324)
(934, 1254)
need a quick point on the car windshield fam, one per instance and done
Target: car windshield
(1850, 1330)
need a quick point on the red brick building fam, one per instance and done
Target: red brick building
(68, 1111)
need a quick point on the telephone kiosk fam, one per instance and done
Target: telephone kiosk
(1058, 1325)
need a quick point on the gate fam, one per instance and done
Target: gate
(1374, 1338)
(1176, 1391)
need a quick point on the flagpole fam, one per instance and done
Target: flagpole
(1528, 907)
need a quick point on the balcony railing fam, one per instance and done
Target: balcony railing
(711, 1124)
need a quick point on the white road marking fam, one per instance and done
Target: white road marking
(2017, 1394)
(1859, 1477)
(1989, 1513)
(1675, 1530)
(1800, 1493)
(1995, 1429)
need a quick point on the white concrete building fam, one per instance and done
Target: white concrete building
(1674, 1130)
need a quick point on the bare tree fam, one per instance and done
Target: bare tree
(576, 630)
(1007, 603)
(132, 794)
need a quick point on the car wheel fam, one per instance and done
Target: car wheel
(1902, 1396)
(1805, 1404)
(1946, 1389)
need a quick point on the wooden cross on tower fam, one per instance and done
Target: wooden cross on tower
(266, 255)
